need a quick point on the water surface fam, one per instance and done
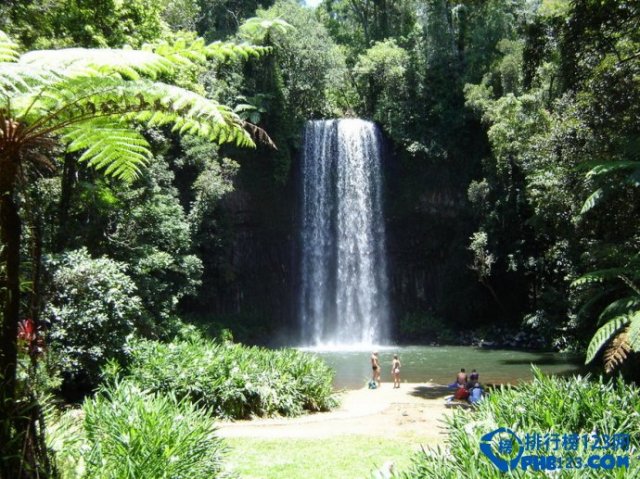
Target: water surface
(439, 364)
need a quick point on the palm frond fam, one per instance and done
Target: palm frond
(120, 151)
(604, 334)
(617, 351)
(8, 49)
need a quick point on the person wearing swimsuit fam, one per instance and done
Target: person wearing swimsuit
(395, 371)
(375, 366)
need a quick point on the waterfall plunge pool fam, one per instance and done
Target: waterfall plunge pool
(439, 364)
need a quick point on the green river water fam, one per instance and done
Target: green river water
(439, 364)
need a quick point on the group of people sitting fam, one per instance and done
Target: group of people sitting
(467, 388)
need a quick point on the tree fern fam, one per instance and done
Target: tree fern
(8, 49)
(616, 352)
(605, 334)
(94, 98)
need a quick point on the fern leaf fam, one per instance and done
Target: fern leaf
(617, 352)
(8, 49)
(604, 334)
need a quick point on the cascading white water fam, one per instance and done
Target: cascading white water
(344, 283)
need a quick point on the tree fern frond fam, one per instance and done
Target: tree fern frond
(189, 112)
(130, 64)
(633, 333)
(617, 352)
(598, 168)
(8, 49)
(110, 146)
(256, 28)
(593, 300)
(620, 307)
(629, 282)
(17, 78)
(592, 201)
(603, 275)
(184, 51)
(604, 334)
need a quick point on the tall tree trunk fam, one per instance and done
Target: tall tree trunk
(68, 180)
(10, 258)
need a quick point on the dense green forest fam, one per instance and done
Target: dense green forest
(512, 166)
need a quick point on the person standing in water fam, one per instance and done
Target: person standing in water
(375, 367)
(395, 371)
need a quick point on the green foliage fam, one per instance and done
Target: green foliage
(92, 310)
(91, 23)
(548, 404)
(232, 380)
(380, 74)
(152, 233)
(220, 19)
(308, 60)
(131, 432)
(419, 326)
(65, 439)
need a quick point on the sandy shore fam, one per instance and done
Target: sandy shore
(414, 410)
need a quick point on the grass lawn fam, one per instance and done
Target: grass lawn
(344, 457)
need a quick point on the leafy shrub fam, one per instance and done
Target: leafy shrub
(425, 326)
(91, 312)
(232, 380)
(546, 405)
(132, 433)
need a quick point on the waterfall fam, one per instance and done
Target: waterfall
(343, 298)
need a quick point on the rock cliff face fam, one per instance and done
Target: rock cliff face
(428, 226)
(249, 256)
(252, 274)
